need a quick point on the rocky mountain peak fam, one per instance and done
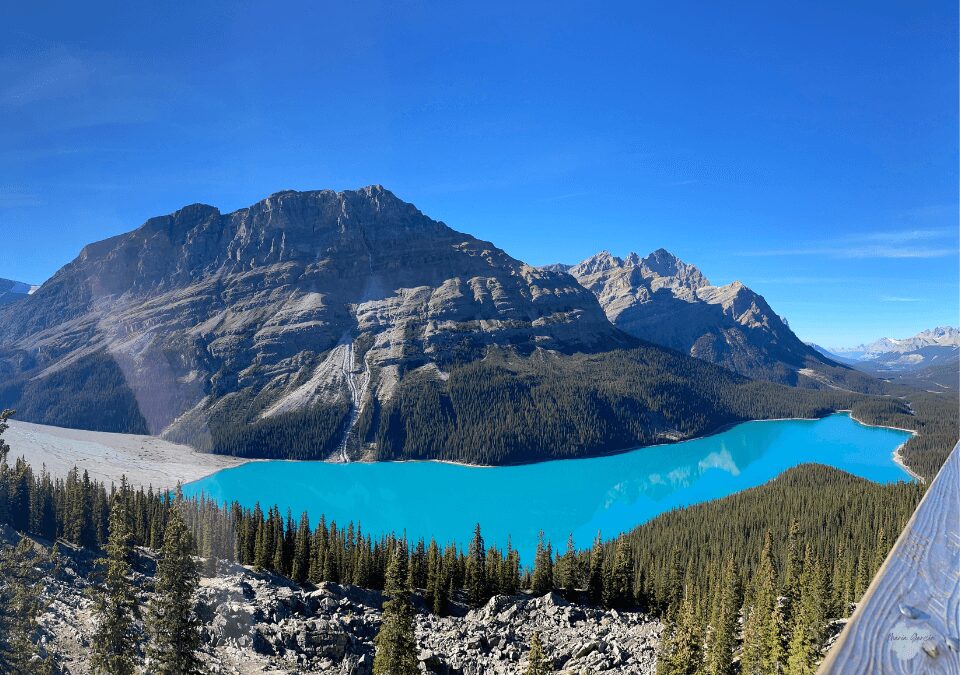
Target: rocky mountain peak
(662, 299)
(301, 299)
(601, 262)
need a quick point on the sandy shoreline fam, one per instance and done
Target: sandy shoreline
(145, 460)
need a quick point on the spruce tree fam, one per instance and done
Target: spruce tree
(595, 582)
(172, 622)
(19, 606)
(301, 551)
(567, 568)
(542, 581)
(396, 643)
(114, 642)
(476, 577)
(619, 583)
(536, 660)
(763, 631)
(809, 620)
(436, 584)
(724, 623)
(681, 645)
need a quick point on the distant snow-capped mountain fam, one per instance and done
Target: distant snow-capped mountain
(11, 291)
(930, 356)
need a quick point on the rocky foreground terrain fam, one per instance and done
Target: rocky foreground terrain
(259, 623)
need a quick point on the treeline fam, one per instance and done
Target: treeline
(507, 408)
(745, 548)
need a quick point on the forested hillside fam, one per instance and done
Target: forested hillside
(508, 408)
(785, 558)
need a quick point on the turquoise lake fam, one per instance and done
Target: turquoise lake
(611, 494)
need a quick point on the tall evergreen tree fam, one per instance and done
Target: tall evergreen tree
(476, 576)
(618, 585)
(542, 581)
(172, 621)
(681, 646)
(19, 606)
(595, 581)
(723, 624)
(396, 643)
(537, 660)
(301, 551)
(763, 630)
(809, 620)
(114, 642)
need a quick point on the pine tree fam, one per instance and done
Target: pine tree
(172, 622)
(19, 606)
(595, 582)
(880, 551)
(618, 584)
(763, 631)
(396, 644)
(476, 577)
(681, 646)
(567, 568)
(436, 584)
(792, 571)
(724, 620)
(809, 621)
(301, 551)
(542, 581)
(114, 643)
(536, 660)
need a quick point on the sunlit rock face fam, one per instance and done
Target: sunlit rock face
(302, 298)
(664, 300)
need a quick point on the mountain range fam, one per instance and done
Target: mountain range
(931, 358)
(348, 324)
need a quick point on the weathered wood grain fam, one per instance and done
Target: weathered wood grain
(909, 619)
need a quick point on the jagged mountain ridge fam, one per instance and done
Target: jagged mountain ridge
(664, 300)
(941, 336)
(929, 360)
(302, 299)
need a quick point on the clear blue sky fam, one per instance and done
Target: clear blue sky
(808, 149)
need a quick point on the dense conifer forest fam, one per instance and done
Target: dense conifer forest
(508, 409)
(784, 558)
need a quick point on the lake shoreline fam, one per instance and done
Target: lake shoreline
(897, 454)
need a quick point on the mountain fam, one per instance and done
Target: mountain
(664, 300)
(929, 360)
(316, 324)
(940, 337)
(11, 291)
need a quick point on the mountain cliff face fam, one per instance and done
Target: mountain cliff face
(666, 301)
(304, 299)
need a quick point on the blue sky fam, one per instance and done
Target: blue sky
(807, 149)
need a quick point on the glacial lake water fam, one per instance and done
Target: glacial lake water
(611, 494)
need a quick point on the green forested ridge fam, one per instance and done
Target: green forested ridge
(302, 434)
(92, 395)
(506, 408)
